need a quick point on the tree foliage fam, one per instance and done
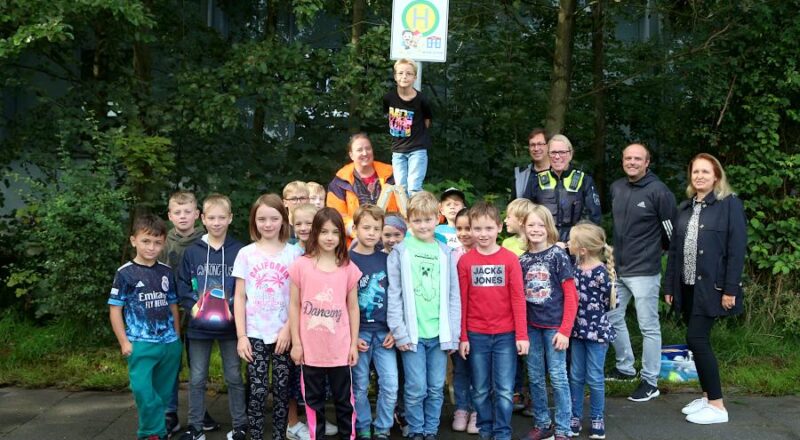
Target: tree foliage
(270, 91)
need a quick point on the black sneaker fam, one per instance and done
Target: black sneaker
(431, 436)
(193, 434)
(237, 434)
(416, 436)
(644, 392)
(615, 374)
(381, 436)
(172, 423)
(209, 424)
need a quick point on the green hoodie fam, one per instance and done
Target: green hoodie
(176, 244)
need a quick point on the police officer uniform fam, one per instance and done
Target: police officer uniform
(569, 197)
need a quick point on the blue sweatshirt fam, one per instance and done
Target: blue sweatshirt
(206, 287)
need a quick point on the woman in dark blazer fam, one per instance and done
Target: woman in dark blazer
(704, 273)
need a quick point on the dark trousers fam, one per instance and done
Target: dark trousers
(258, 384)
(313, 387)
(698, 338)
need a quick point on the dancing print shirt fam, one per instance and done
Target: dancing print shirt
(324, 321)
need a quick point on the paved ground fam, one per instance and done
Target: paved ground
(55, 414)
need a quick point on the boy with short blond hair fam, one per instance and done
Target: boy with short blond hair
(206, 291)
(516, 213)
(144, 316)
(424, 314)
(409, 114)
(294, 194)
(183, 214)
(316, 194)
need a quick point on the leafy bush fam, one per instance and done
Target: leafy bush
(72, 242)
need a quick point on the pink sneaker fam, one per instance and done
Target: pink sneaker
(460, 420)
(472, 426)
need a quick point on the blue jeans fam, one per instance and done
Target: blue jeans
(386, 366)
(644, 290)
(425, 370)
(588, 358)
(409, 169)
(519, 378)
(541, 348)
(493, 359)
(462, 384)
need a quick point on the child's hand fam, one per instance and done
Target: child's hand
(362, 345)
(353, 358)
(244, 349)
(284, 340)
(126, 348)
(522, 347)
(463, 350)
(560, 342)
(297, 354)
(404, 347)
(561, 244)
(668, 299)
(388, 341)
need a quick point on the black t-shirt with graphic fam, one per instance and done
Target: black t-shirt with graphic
(407, 122)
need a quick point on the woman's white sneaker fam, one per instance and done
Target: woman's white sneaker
(708, 415)
(694, 406)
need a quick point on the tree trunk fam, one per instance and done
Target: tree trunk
(562, 68)
(598, 83)
(354, 121)
(270, 34)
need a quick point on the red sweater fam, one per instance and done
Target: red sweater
(492, 301)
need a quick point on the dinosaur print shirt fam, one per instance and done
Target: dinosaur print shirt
(372, 290)
(324, 322)
(266, 286)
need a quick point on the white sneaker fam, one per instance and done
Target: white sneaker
(330, 429)
(694, 406)
(707, 415)
(298, 432)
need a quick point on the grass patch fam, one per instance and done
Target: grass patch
(751, 360)
(58, 355)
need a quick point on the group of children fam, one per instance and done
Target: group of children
(310, 313)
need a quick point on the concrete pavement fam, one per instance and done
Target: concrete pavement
(56, 414)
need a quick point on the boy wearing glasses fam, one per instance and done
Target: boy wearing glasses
(569, 194)
(410, 117)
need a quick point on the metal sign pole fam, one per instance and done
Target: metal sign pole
(418, 81)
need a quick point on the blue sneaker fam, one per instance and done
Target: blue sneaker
(574, 427)
(598, 429)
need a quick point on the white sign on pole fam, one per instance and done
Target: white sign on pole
(419, 30)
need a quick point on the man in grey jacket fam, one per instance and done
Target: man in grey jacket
(643, 209)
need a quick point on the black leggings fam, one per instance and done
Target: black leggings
(698, 338)
(258, 379)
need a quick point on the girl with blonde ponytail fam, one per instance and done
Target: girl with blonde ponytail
(592, 332)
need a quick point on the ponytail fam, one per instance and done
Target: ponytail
(608, 255)
(593, 239)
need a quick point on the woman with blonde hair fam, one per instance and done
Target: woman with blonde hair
(704, 273)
